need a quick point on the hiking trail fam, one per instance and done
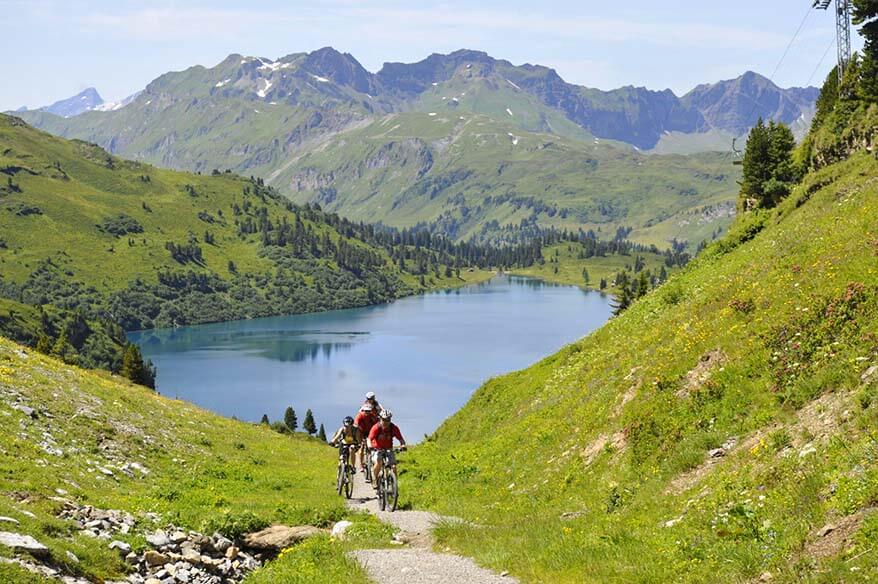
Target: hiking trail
(414, 562)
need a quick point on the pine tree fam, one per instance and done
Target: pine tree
(756, 171)
(865, 15)
(132, 364)
(63, 349)
(265, 420)
(290, 419)
(308, 425)
(769, 172)
(585, 276)
(322, 433)
(44, 344)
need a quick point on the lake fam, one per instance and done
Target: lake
(422, 355)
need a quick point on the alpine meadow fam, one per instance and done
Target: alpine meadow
(391, 261)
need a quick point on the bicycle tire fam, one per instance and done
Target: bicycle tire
(392, 491)
(349, 482)
(382, 493)
(368, 465)
(339, 479)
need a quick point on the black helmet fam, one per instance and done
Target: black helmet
(348, 421)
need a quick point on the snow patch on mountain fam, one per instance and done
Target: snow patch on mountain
(262, 92)
(513, 85)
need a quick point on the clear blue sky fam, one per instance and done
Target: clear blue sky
(52, 49)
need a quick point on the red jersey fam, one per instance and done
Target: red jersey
(364, 421)
(380, 438)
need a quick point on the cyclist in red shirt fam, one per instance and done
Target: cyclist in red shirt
(365, 420)
(381, 438)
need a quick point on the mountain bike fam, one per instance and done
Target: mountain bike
(367, 466)
(345, 476)
(388, 486)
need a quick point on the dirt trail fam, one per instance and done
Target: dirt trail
(414, 563)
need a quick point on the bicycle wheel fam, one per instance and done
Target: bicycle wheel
(391, 489)
(339, 480)
(368, 465)
(382, 493)
(349, 481)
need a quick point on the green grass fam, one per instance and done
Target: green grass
(612, 432)
(205, 472)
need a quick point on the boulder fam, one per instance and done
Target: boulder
(340, 528)
(154, 558)
(278, 537)
(121, 546)
(23, 543)
(158, 539)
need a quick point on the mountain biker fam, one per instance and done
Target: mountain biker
(381, 438)
(373, 401)
(351, 435)
(366, 418)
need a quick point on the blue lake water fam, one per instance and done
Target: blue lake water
(423, 355)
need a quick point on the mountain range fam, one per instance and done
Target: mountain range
(464, 142)
(87, 100)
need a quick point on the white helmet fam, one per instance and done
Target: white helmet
(385, 414)
(370, 395)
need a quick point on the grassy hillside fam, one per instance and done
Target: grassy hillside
(466, 173)
(721, 429)
(98, 440)
(151, 247)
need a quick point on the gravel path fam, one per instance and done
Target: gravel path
(416, 564)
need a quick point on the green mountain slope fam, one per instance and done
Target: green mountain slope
(95, 440)
(467, 174)
(151, 247)
(720, 429)
(314, 125)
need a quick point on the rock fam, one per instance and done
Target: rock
(870, 374)
(278, 537)
(178, 537)
(158, 539)
(808, 449)
(569, 515)
(71, 557)
(121, 546)
(504, 573)
(154, 558)
(673, 522)
(132, 559)
(191, 556)
(717, 453)
(232, 552)
(766, 577)
(23, 543)
(152, 581)
(826, 530)
(340, 528)
(9, 520)
(29, 412)
(220, 543)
